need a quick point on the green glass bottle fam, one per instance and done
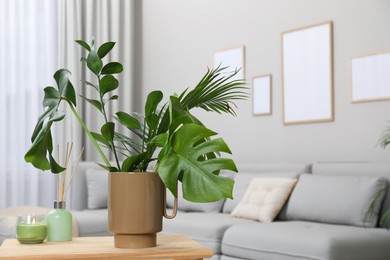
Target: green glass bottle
(59, 223)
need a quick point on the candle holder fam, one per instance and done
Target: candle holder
(31, 228)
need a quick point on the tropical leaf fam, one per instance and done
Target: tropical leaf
(130, 164)
(65, 87)
(91, 84)
(385, 220)
(159, 140)
(200, 184)
(108, 168)
(108, 131)
(114, 97)
(215, 92)
(108, 83)
(384, 141)
(112, 68)
(84, 44)
(127, 120)
(152, 101)
(105, 49)
(40, 152)
(94, 102)
(101, 139)
(94, 63)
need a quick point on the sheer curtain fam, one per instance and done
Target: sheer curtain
(28, 59)
(105, 21)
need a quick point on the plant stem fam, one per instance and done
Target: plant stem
(89, 134)
(106, 120)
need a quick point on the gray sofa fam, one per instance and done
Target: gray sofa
(323, 218)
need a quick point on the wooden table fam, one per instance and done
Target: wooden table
(168, 247)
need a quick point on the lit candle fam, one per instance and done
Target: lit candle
(31, 229)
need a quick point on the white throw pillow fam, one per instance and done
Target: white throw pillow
(264, 198)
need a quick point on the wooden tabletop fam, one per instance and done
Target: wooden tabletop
(168, 247)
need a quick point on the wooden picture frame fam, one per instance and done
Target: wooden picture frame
(307, 74)
(370, 77)
(262, 95)
(234, 58)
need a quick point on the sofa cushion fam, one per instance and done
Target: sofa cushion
(92, 222)
(357, 168)
(296, 240)
(242, 181)
(206, 228)
(264, 198)
(97, 185)
(336, 199)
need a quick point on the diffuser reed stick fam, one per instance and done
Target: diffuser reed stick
(61, 179)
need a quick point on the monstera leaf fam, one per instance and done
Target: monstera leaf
(185, 162)
(40, 153)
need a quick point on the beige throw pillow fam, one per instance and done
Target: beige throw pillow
(264, 198)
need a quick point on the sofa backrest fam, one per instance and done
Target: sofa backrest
(78, 194)
(356, 168)
(248, 171)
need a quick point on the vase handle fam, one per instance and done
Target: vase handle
(175, 203)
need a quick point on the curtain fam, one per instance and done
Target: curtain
(28, 59)
(105, 20)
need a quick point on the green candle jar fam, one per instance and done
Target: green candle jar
(31, 228)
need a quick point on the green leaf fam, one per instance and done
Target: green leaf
(36, 155)
(54, 166)
(110, 169)
(57, 115)
(130, 164)
(385, 220)
(152, 101)
(114, 97)
(105, 49)
(200, 184)
(65, 87)
(91, 84)
(152, 121)
(84, 44)
(108, 131)
(108, 83)
(40, 152)
(216, 92)
(159, 140)
(112, 68)
(94, 63)
(128, 121)
(83, 59)
(94, 102)
(100, 138)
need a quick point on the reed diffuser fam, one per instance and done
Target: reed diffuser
(59, 220)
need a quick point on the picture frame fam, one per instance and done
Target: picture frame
(307, 74)
(370, 77)
(234, 58)
(262, 95)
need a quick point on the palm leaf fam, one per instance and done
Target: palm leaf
(384, 141)
(215, 92)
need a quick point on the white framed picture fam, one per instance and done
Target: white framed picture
(370, 77)
(307, 66)
(233, 58)
(262, 95)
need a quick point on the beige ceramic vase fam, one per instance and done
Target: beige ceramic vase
(136, 205)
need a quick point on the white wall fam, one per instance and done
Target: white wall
(175, 44)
